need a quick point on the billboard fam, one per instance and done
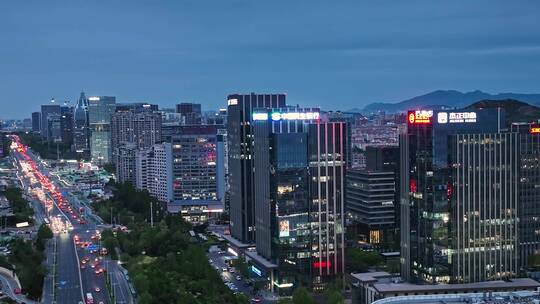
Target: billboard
(284, 228)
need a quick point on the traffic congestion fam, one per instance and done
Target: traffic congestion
(79, 239)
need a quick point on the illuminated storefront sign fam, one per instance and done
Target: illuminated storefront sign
(256, 270)
(419, 117)
(260, 116)
(456, 117)
(535, 129)
(277, 116)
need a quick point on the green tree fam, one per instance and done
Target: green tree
(110, 168)
(242, 267)
(44, 232)
(302, 296)
(359, 260)
(333, 296)
(242, 299)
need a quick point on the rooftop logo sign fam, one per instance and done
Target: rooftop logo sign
(419, 117)
(456, 117)
(277, 116)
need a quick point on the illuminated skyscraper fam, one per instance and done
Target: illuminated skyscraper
(240, 158)
(142, 128)
(81, 133)
(49, 109)
(100, 110)
(459, 197)
(299, 170)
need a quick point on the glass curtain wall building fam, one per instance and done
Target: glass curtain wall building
(529, 190)
(100, 110)
(81, 134)
(299, 196)
(240, 159)
(430, 164)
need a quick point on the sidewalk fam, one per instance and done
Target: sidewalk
(48, 282)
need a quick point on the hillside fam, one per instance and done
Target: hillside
(447, 99)
(516, 111)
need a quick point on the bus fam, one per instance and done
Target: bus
(89, 298)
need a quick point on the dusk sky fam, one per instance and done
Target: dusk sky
(332, 54)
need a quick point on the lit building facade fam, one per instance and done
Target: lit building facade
(195, 168)
(240, 159)
(46, 110)
(154, 171)
(125, 163)
(372, 198)
(66, 124)
(371, 206)
(142, 128)
(81, 132)
(451, 218)
(529, 190)
(300, 166)
(100, 110)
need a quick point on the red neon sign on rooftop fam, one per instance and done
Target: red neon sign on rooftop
(419, 117)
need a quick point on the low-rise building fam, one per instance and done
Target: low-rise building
(371, 287)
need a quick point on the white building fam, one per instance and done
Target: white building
(153, 168)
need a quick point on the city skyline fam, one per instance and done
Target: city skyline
(365, 53)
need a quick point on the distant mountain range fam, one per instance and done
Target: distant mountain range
(445, 99)
(516, 111)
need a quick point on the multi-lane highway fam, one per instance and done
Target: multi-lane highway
(79, 272)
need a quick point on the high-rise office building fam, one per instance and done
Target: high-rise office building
(483, 201)
(458, 218)
(221, 165)
(36, 121)
(46, 110)
(240, 159)
(142, 128)
(54, 127)
(372, 198)
(81, 132)
(195, 179)
(370, 202)
(299, 171)
(66, 124)
(190, 113)
(529, 190)
(100, 110)
(154, 171)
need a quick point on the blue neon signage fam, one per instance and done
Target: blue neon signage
(256, 270)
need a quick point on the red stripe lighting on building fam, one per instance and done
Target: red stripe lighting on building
(412, 186)
(321, 264)
(419, 117)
